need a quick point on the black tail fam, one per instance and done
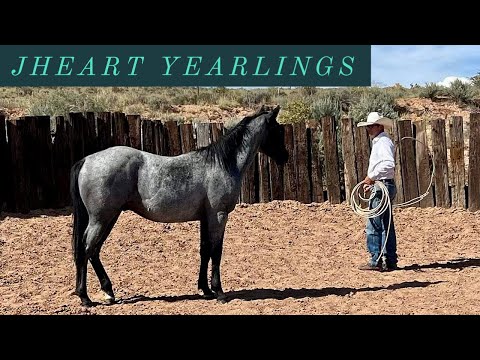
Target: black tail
(80, 215)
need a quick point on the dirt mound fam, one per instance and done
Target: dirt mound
(425, 109)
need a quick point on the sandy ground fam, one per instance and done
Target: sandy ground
(278, 258)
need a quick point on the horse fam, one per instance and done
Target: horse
(202, 185)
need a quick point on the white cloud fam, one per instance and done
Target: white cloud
(449, 79)
(419, 64)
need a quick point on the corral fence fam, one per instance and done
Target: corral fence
(327, 158)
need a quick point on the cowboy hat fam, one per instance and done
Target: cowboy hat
(375, 118)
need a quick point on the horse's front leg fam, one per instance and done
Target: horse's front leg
(205, 253)
(216, 228)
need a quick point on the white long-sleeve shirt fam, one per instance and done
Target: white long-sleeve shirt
(382, 158)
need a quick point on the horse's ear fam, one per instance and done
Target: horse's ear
(273, 114)
(261, 110)
(276, 111)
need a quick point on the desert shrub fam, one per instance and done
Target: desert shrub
(431, 90)
(295, 111)
(205, 98)
(308, 91)
(252, 98)
(461, 92)
(279, 100)
(184, 99)
(158, 103)
(476, 80)
(327, 105)
(226, 103)
(378, 100)
(62, 102)
(134, 109)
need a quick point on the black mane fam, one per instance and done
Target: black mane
(223, 151)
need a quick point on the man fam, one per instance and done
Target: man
(381, 167)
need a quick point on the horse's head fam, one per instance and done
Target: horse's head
(273, 144)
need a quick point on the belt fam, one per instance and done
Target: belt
(387, 181)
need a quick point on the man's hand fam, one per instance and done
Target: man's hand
(368, 181)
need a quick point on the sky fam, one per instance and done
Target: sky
(410, 64)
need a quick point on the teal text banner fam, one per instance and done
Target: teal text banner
(185, 65)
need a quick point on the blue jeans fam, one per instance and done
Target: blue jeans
(377, 228)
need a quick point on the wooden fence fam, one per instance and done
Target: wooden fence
(36, 154)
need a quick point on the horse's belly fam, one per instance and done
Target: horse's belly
(168, 212)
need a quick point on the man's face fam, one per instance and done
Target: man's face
(374, 130)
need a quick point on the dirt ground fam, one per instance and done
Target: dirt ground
(278, 258)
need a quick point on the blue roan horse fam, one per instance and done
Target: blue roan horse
(201, 185)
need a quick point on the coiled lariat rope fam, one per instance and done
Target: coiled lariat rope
(385, 202)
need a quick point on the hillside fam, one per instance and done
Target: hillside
(224, 105)
(408, 108)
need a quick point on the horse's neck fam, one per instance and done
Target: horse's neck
(252, 140)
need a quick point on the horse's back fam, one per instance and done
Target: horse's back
(161, 188)
(112, 160)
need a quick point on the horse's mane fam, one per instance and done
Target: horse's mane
(223, 151)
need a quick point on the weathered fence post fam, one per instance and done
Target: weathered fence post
(263, 178)
(147, 136)
(399, 198)
(289, 176)
(408, 161)
(104, 128)
(474, 163)
(348, 149)
(62, 161)
(187, 139)
(331, 159)
(135, 131)
(457, 161)
(90, 133)
(301, 163)
(362, 151)
(216, 131)
(247, 193)
(314, 134)
(160, 138)
(17, 200)
(439, 145)
(5, 177)
(78, 147)
(172, 134)
(423, 164)
(203, 134)
(276, 180)
(120, 129)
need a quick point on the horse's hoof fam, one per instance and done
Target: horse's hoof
(206, 294)
(110, 301)
(109, 298)
(222, 299)
(88, 303)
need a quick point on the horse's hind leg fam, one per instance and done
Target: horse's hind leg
(205, 252)
(105, 283)
(93, 238)
(81, 281)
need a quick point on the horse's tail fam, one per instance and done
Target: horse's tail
(80, 215)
